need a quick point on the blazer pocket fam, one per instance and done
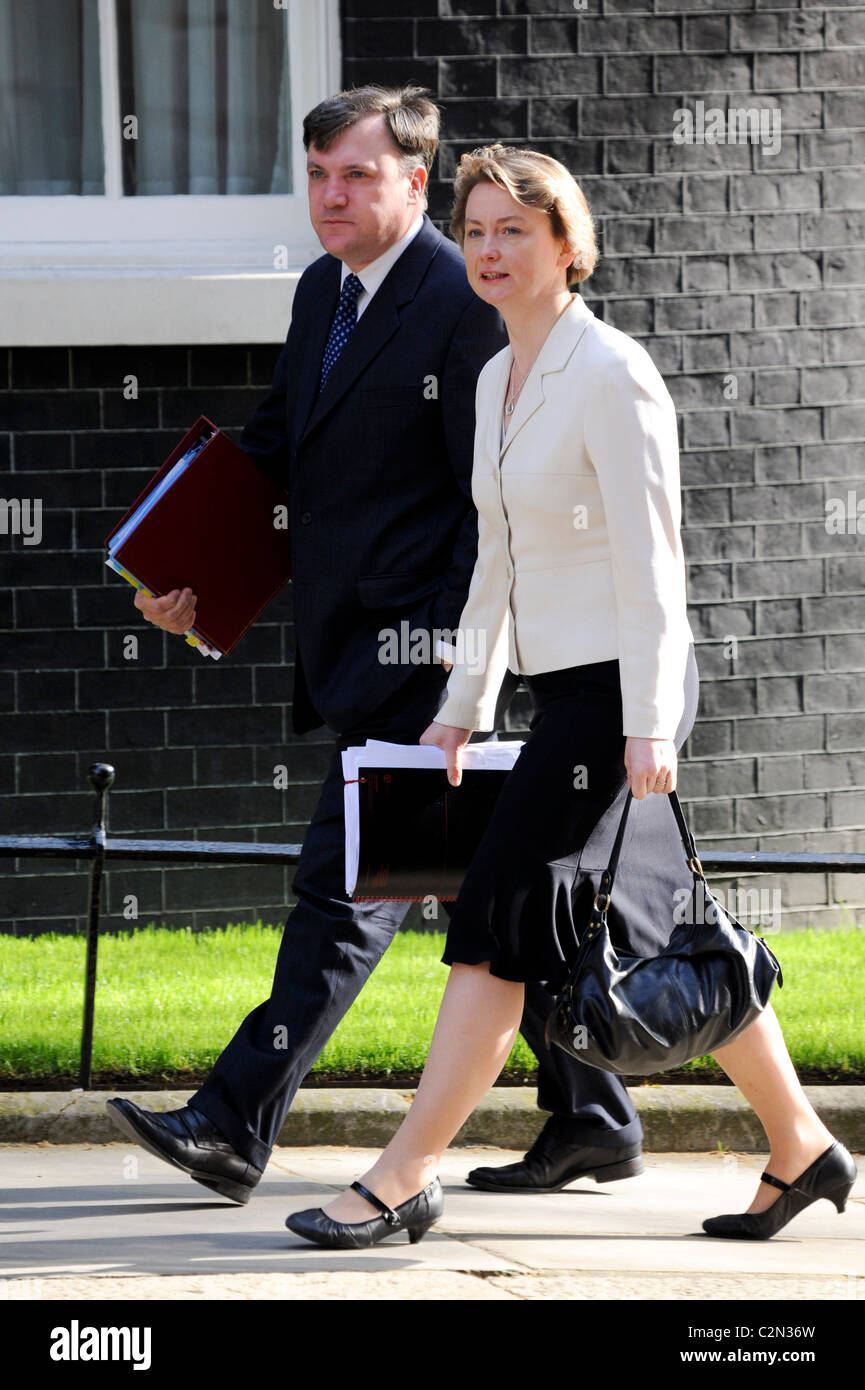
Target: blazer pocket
(396, 590)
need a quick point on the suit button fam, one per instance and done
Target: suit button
(306, 518)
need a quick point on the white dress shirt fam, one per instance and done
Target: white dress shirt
(372, 275)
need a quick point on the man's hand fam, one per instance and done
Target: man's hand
(651, 764)
(451, 740)
(174, 612)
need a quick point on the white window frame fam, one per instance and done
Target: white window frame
(185, 268)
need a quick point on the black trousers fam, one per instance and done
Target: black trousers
(330, 946)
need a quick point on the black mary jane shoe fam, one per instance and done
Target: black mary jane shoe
(832, 1175)
(415, 1216)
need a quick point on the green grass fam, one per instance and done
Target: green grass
(168, 1001)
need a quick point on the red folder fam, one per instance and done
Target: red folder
(214, 532)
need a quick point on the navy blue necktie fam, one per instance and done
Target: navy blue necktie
(344, 321)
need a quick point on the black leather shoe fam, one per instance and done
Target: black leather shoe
(188, 1140)
(415, 1216)
(831, 1175)
(554, 1160)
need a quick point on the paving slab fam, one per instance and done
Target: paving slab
(116, 1209)
(97, 1221)
(652, 1222)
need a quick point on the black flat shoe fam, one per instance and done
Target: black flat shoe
(831, 1175)
(186, 1139)
(554, 1160)
(415, 1216)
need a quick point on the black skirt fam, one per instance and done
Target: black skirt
(527, 891)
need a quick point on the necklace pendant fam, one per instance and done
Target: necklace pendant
(509, 408)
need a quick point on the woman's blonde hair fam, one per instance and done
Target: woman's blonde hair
(536, 181)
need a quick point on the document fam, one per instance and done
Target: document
(211, 521)
(408, 833)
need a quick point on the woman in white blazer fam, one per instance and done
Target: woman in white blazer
(580, 586)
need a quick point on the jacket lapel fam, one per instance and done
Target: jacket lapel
(379, 322)
(554, 356)
(493, 422)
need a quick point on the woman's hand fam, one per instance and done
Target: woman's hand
(451, 740)
(651, 765)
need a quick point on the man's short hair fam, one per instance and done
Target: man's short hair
(412, 119)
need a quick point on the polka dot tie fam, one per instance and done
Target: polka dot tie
(344, 321)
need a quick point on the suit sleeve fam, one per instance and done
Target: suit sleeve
(632, 440)
(479, 335)
(482, 639)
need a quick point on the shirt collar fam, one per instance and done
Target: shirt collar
(373, 274)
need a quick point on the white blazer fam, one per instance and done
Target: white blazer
(579, 553)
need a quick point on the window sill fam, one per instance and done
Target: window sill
(87, 308)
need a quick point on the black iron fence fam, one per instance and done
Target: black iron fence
(99, 846)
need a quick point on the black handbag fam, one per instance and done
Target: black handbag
(636, 1015)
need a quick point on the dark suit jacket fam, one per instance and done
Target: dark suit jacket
(377, 469)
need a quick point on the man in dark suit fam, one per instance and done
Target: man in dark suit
(369, 427)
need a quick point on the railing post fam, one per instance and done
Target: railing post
(100, 777)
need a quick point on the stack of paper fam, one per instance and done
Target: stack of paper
(408, 833)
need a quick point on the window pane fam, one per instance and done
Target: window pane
(50, 108)
(207, 83)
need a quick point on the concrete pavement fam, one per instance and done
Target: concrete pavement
(110, 1221)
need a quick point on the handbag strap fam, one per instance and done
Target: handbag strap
(606, 886)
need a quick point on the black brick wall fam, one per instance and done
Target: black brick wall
(720, 259)
(194, 742)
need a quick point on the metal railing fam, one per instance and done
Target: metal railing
(99, 846)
